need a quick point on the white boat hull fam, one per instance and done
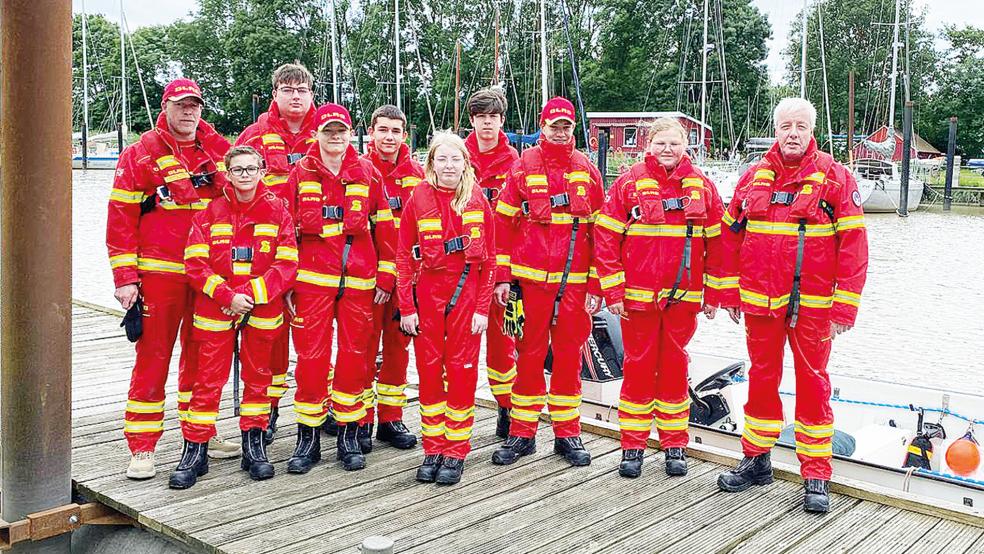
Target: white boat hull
(884, 197)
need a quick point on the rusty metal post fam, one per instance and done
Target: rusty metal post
(36, 316)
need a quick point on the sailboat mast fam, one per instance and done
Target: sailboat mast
(122, 75)
(457, 83)
(895, 65)
(495, 57)
(803, 53)
(85, 86)
(826, 91)
(703, 88)
(396, 41)
(543, 51)
(334, 55)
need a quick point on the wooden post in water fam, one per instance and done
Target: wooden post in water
(36, 313)
(951, 146)
(906, 159)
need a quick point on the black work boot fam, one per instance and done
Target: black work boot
(271, 429)
(254, 455)
(330, 426)
(450, 472)
(631, 464)
(397, 434)
(427, 471)
(817, 496)
(193, 464)
(513, 449)
(349, 452)
(676, 461)
(502, 424)
(307, 451)
(364, 436)
(754, 470)
(572, 449)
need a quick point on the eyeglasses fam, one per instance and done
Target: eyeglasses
(248, 171)
(290, 91)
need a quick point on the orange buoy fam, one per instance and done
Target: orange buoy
(964, 455)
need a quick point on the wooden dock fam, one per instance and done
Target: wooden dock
(538, 504)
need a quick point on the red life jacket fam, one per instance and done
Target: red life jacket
(540, 204)
(804, 204)
(652, 204)
(355, 177)
(276, 151)
(169, 169)
(435, 245)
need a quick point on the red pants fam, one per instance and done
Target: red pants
(500, 357)
(446, 352)
(279, 360)
(312, 332)
(392, 378)
(810, 343)
(655, 377)
(566, 338)
(215, 353)
(168, 306)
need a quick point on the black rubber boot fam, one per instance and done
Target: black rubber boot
(513, 449)
(631, 464)
(330, 426)
(817, 496)
(307, 451)
(572, 449)
(427, 471)
(254, 455)
(364, 436)
(676, 462)
(502, 424)
(193, 464)
(755, 470)
(271, 429)
(397, 434)
(349, 452)
(450, 472)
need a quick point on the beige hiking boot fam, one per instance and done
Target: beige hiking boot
(221, 449)
(141, 466)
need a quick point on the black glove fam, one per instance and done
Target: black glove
(133, 321)
(148, 204)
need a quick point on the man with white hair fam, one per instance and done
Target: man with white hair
(796, 255)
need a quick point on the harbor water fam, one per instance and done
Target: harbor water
(921, 321)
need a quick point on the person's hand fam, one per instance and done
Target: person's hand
(501, 294)
(734, 314)
(127, 295)
(617, 309)
(410, 325)
(710, 311)
(289, 302)
(838, 328)
(241, 304)
(479, 324)
(592, 303)
(382, 296)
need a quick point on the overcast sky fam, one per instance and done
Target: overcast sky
(780, 12)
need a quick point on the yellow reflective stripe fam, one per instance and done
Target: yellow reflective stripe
(202, 418)
(676, 424)
(767, 425)
(242, 268)
(564, 400)
(815, 450)
(473, 216)
(460, 415)
(610, 223)
(814, 301)
(817, 177)
(920, 452)
(123, 260)
(765, 175)
(646, 184)
(788, 229)
(524, 415)
(184, 396)
(613, 280)
(408, 182)
(309, 187)
(390, 389)
(429, 224)
(639, 295)
(502, 260)
(396, 401)
(384, 215)
(523, 400)
(308, 408)
(462, 434)
(759, 440)
(559, 218)
(727, 219)
(564, 415)
(500, 376)
(345, 399)
(635, 424)
(634, 408)
(815, 431)
(208, 324)
(177, 176)
(646, 230)
(254, 409)
(593, 272)
(167, 161)
(528, 272)
(506, 209)
(271, 179)
(847, 297)
(672, 407)
(266, 323)
(211, 284)
(536, 180)
(432, 430)
(312, 420)
(331, 230)
(143, 426)
(195, 251)
(849, 222)
(349, 417)
(712, 231)
(327, 280)
(720, 283)
(288, 253)
(356, 189)
(501, 389)
(691, 182)
(386, 267)
(220, 230)
(279, 379)
(126, 196)
(431, 410)
(265, 230)
(164, 266)
(578, 177)
(197, 205)
(534, 274)
(137, 407)
(260, 293)
(271, 138)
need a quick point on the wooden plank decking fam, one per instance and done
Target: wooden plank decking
(536, 505)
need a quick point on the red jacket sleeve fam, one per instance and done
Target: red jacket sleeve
(486, 278)
(852, 250)
(609, 233)
(507, 218)
(385, 236)
(197, 266)
(732, 236)
(597, 200)
(123, 219)
(713, 272)
(279, 277)
(405, 266)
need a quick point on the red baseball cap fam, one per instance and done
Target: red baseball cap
(557, 108)
(182, 88)
(329, 113)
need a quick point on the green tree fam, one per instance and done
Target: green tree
(959, 92)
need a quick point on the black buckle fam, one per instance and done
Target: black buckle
(457, 244)
(395, 202)
(490, 193)
(242, 254)
(636, 212)
(558, 200)
(784, 198)
(199, 180)
(332, 212)
(674, 203)
(415, 252)
(163, 193)
(294, 158)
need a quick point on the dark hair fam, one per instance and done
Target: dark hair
(389, 111)
(240, 151)
(291, 73)
(488, 100)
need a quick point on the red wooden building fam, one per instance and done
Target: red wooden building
(920, 148)
(627, 130)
